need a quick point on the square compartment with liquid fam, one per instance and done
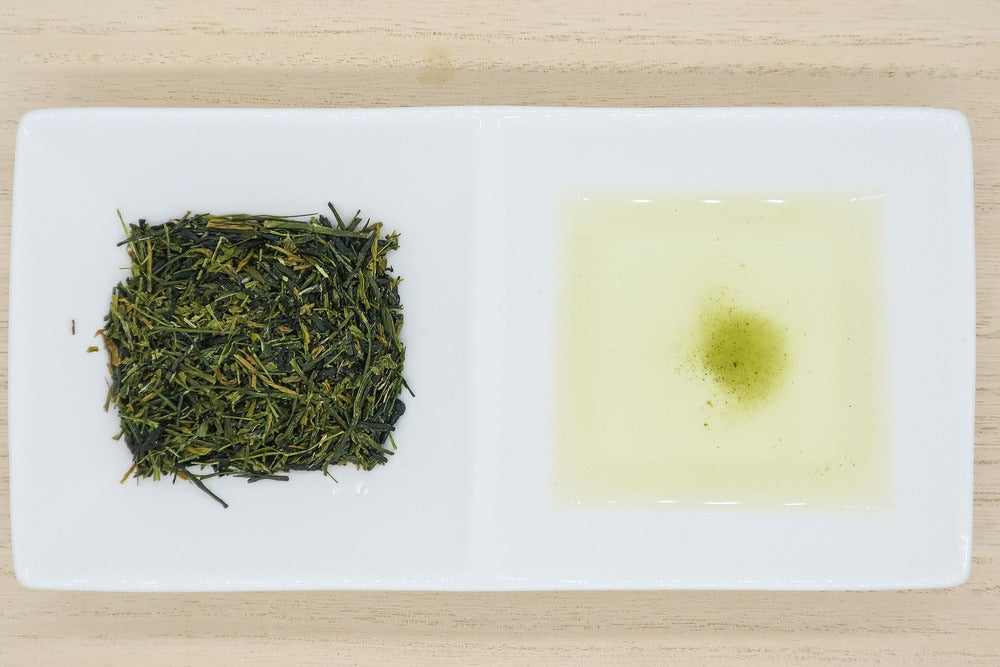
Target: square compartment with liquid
(622, 453)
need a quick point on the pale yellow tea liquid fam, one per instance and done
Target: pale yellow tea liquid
(723, 350)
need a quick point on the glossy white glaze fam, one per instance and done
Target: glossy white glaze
(465, 503)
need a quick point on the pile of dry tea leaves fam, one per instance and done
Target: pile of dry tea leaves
(254, 345)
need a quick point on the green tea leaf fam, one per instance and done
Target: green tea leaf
(254, 345)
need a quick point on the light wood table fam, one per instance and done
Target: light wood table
(300, 53)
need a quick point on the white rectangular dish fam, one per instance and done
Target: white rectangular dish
(467, 502)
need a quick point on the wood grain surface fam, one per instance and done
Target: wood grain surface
(302, 53)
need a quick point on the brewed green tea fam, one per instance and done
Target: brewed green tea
(722, 350)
